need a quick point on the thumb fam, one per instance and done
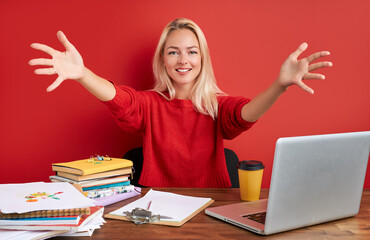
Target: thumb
(55, 84)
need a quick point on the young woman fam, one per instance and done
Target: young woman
(185, 117)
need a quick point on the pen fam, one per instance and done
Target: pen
(150, 203)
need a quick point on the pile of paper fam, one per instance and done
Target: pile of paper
(42, 210)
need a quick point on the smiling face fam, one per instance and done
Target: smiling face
(182, 60)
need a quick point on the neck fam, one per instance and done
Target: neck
(183, 91)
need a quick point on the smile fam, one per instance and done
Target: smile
(182, 70)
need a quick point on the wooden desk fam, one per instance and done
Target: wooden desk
(206, 227)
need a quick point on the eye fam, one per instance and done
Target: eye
(193, 52)
(172, 53)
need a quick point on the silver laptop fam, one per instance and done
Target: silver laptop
(315, 179)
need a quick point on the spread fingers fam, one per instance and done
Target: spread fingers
(41, 61)
(44, 48)
(45, 71)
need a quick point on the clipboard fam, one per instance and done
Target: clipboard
(192, 205)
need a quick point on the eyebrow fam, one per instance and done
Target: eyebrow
(186, 48)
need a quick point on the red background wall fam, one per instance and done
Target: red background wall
(248, 41)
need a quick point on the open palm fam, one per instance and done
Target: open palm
(293, 71)
(68, 64)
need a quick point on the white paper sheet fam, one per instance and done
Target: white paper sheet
(179, 207)
(6, 234)
(14, 197)
(23, 235)
(88, 229)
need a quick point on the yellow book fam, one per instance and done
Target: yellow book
(87, 166)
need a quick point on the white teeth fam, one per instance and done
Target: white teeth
(183, 70)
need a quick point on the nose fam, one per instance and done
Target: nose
(182, 59)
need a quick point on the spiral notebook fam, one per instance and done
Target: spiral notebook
(47, 213)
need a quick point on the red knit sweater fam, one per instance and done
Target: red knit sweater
(181, 147)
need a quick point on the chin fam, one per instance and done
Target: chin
(184, 81)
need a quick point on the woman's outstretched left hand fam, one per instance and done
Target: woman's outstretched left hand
(293, 71)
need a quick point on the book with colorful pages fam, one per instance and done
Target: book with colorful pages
(119, 184)
(42, 220)
(92, 182)
(46, 213)
(96, 211)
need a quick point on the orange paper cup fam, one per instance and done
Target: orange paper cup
(250, 179)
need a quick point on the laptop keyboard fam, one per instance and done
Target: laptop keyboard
(257, 217)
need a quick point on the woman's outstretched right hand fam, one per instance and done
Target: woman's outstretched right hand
(67, 64)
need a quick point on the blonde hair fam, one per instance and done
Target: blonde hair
(205, 90)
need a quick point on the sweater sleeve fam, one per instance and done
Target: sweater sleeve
(127, 108)
(230, 117)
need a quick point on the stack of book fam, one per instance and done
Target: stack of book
(104, 179)
(42, 210)
(65, 222)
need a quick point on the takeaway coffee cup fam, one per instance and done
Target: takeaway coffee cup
(250, 179)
